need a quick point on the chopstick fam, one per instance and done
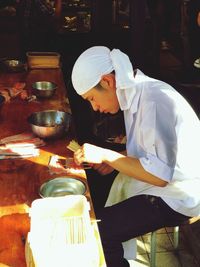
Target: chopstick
(18, 137)
(17, 156)
(63, 163)
(76, 230)
(110, 139)
(73, 146)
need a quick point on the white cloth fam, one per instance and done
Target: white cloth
(89, 68)
(124, 78)
(120, 191)
(97, 61)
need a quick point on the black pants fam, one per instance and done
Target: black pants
(131, 218)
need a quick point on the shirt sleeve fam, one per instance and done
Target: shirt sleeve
(158, 138)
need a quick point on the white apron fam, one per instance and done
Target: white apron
(120, 190)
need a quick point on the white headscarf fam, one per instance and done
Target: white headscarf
(97, 61)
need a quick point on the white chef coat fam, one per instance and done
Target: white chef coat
(163, 132)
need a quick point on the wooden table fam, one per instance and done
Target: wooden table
(20, 179)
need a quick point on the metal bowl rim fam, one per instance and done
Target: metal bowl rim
(59, 179)
(29, 119)
(44, 89)
(8, 61)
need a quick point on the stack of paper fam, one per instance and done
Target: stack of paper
(20, 146)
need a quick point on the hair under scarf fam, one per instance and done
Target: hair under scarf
(97, 61)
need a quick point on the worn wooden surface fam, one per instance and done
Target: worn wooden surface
(20, 179)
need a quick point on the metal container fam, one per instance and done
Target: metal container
(44, 89)
(13, 65)
(38, 60)
(49, 123)
(62, 186)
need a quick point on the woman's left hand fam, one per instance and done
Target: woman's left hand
(89, 153)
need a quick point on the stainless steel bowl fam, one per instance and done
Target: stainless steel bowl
(62, 186)
(49, 123)
(14, 65)
(44, 89)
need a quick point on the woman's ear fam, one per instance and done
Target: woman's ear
(108, 81)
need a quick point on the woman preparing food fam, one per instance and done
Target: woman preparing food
(159, 176)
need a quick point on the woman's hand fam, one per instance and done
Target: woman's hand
(103, 168)
(90, 154)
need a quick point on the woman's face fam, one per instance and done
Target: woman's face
(103, 98)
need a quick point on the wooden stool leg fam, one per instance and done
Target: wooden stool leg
(176, 236)
(153, 250)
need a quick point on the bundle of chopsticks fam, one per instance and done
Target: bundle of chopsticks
(74, 146)
(21, 145)
(75, 230)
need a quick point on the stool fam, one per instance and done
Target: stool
(175, 237)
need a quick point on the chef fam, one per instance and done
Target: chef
(158, 177)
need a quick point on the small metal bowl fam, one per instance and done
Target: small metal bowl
(62, 186)
(13, 65)
(44, 89)
(49, 124)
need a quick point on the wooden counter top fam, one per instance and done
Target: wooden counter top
(20, 179)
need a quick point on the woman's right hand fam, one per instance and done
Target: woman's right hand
(102, 168)
(89, 153)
